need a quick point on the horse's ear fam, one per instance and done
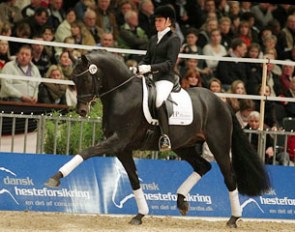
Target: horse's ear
(84, 59)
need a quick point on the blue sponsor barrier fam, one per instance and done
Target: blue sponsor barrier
(100, 185)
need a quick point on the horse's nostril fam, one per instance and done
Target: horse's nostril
(82, 113)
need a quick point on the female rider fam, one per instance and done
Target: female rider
(160, 59)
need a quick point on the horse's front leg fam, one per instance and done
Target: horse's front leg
(129, 165)
(108, 146)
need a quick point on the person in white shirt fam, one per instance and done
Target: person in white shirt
(20, 90)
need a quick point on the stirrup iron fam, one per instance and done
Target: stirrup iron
(164, 143)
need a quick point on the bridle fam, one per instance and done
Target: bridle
(93, 69)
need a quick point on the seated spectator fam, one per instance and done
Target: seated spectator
(131, 35)
(52, 93)
(22, 30)
(73, 52)
(30, 9)
(190, 44)
(245, 7)
(228, 72)
(20, 90)
(270, 109)
(48, 35)
(4, 53)
(234, 11)
(90, 25)
(273, 80)
(237, 87)
(204, 35)
(276, 69)
(107, 40)
(263, 14)
(290, 106)
(286, 38)
(214, 48)
(39, 56)
(244, 33)
(22, 3)
(226, 33)
(246, 106)
(282, 158)
(6, 29)
(66, 64)
(249, 17)
(81, 7)
(146, 11)
(9, 13)
(64, 29)
(123, 7)
(37, 21)
(191, 79)
(191, 63)
(285, 78)
(56, 13)
(215, 86)
(269, 42)
(106, 19)
(253, 70)
(81, 35)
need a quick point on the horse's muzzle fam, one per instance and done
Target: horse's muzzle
(82, 109)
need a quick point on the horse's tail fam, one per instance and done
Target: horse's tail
(251, 175)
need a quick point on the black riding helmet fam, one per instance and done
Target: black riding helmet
(165, 11)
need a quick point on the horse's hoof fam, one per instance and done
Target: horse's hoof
(52, 183)
(137, 220)
(182, 204)
(232, 222)
(183, 208)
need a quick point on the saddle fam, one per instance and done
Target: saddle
(178, 104)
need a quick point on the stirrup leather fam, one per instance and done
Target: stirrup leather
(164, 143)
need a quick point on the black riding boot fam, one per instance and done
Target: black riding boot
(164, 141)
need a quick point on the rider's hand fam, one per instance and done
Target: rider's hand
(133, 70)
(142, 69)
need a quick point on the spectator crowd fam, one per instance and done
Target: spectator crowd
(205, 27)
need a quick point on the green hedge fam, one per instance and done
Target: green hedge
(72, 128)
(61, 135)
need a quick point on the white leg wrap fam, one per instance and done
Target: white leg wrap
(235, 205)
(71, 165)
(188, 184)
(141, 202)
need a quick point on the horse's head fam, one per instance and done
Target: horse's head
(87, 77)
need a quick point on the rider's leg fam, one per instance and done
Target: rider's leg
(163, 90)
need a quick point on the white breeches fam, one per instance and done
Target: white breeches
(164, 88)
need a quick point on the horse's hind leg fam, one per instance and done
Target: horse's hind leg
(221, 150)
(201, 166)
(129, 165)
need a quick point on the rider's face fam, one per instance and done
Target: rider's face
(162, 23)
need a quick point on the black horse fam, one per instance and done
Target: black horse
(102, 74)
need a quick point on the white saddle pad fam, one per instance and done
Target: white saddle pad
(182, 108)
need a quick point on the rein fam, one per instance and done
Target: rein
(105, 93)
(117, 87)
